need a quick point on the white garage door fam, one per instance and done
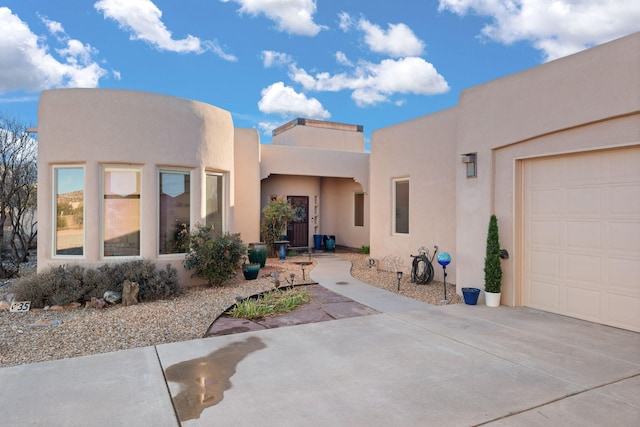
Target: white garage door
(581, 223)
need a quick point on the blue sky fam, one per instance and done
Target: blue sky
(371, 63)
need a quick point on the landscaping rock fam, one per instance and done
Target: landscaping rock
(72, 305)
(4, 306)
(130, 293)
(112, 297)
(97, 303)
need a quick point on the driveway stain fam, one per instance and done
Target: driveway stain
(204, 380)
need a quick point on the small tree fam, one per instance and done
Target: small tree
(18, 180)
(492, 267)
(214, 257)
(275, 217)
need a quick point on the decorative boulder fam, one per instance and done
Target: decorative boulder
(97, 303)
(130, 293)
(112, 297)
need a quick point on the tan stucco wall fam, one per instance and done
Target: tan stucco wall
(245, 212)
(585, 101)
(582, 102)
(95, 127)
(424, 151)
(338, 201)
(287, 160)
(321, 138)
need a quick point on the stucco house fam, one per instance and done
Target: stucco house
(553, 151)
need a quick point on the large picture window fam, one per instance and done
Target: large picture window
(69, 205)
(401, 206)
(121, 212)
(214, 199)
(175, 211)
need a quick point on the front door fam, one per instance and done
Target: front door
(298, 229)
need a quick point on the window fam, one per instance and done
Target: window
(175, 211)
(401, 206)
(214, 199)
(358, 210)
(121, 212)
(69, 204)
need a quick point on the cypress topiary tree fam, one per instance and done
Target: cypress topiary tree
(492, 267)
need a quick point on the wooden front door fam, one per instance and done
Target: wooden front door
(298, 229)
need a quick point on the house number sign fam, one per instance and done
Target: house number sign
(20, 306)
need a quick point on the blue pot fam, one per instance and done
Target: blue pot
(282, 251)
(330, 244)
(470, 295)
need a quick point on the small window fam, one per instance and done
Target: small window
(214, 199)
(175, 211)
(401, 206)
(121, 212)
(358, 210)
(69, 206)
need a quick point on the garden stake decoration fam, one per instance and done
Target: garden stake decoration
(444, 259)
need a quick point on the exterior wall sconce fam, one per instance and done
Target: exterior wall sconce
(470, 160)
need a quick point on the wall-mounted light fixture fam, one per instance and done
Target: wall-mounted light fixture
(470, 160)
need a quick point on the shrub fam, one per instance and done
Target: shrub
(365, 249)
(275, 217)
(61, 285)
(492, 267)
(214, 258)
(163, 284)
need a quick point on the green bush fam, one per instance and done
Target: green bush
(61, 285)
(214, 257)
(364, 249)
(275, 217)
(492, 267)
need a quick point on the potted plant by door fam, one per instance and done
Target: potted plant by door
(492, 267)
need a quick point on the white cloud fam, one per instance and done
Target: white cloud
(271, 58)
(268, 127)
(372, 83)
(557, 28)
(53, 26)
(284, 100)
(397, 41)
(345, 21)
(143, 19)
(28, 65)
(290, 16)
(342, 59)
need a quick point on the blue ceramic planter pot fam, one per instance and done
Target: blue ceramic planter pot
(470, 295)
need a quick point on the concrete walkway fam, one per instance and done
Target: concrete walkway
(412, 365)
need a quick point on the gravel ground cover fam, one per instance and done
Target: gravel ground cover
(42, 335)
(432, 293)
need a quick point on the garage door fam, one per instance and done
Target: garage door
(581, 241)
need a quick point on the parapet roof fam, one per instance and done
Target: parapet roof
(318, 124)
